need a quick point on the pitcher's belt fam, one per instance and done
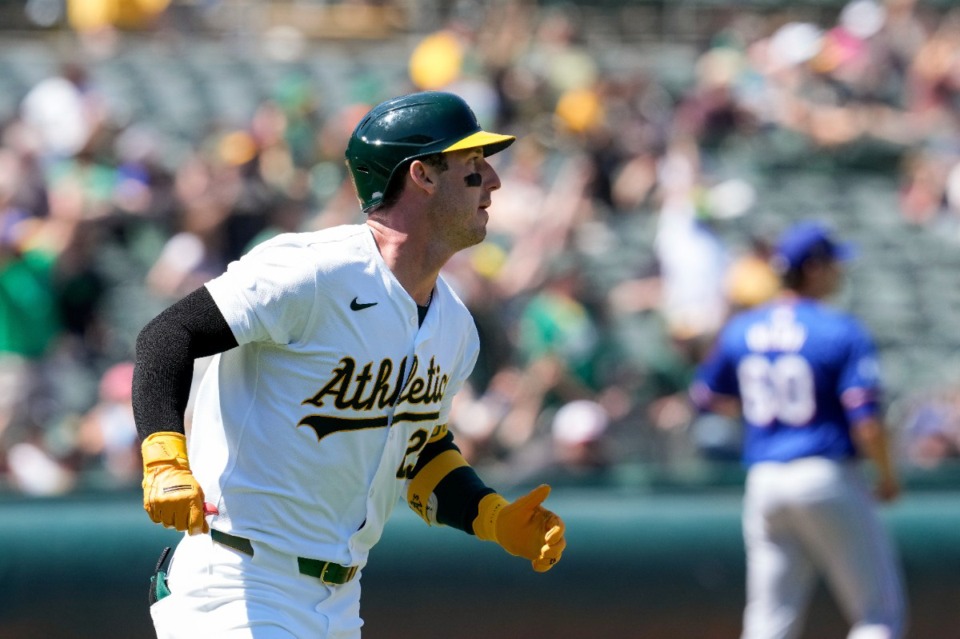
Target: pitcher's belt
(326, 571)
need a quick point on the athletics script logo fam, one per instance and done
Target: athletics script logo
(360, 389)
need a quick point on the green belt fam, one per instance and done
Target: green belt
(326, 571)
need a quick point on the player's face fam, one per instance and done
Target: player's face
(826, 278)
(466, 189)
(834, 276)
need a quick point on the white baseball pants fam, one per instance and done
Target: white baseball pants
(220, 593)
(817, 515)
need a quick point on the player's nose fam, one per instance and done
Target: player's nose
(491, 179)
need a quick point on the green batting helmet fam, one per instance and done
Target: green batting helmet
(410, 127)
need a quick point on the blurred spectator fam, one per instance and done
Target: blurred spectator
(692, 258)
(30, 324)
(107, 437)
(932, 429)
(193, 255)
(35, 471)
(900, 37)
(932, 73)
(710, 111)
(65, 111)
(922, 189)
(558, 343)
(285, 215)
(750, 279)
(557, 56)
(574, 451)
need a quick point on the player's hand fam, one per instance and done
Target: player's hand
(523, 528)
(171, 494)
(887, 489)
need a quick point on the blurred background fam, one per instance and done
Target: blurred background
(144, 144)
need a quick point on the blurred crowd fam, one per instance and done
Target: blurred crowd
(605, 273)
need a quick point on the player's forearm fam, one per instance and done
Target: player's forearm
(166, 348)
(872, 441)
(704, 399)
(161, 380)
(445, 489)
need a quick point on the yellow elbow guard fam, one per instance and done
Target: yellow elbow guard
(420, 490)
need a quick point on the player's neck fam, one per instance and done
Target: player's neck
(802, 293)
(409, 259)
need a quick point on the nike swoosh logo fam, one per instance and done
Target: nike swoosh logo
(357, 306)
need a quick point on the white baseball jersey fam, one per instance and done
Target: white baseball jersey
(303, 437)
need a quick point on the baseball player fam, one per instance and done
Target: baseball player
(804, 377)
(337, 354)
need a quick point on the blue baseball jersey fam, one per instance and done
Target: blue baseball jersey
(804, 373)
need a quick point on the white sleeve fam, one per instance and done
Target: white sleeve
(268, 295)
(467, 362)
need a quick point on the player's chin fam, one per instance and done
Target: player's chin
(479, 236)
(481, 229)
(475, 236)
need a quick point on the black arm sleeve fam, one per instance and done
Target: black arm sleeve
(166, 347)
(459, 492)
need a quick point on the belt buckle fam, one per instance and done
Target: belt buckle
(323, 574)
(340, 578)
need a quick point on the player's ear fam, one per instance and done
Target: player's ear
(423, 176)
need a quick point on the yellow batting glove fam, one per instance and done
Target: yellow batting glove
(523, 528)
(171, 494)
